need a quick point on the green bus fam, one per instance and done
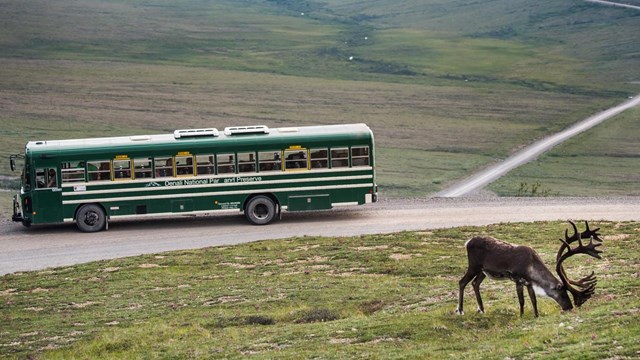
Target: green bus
(255, 170)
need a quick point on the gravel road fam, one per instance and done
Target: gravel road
(41, 247)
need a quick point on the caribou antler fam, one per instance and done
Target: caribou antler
(588, 283)
(588, 233)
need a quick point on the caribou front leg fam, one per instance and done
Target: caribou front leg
(520, 292)
(534, 302)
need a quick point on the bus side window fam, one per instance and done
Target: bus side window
(46, 178)
(339, 157)
(122, 169)
(163, 166)
(226, 164)
(184, 165)
(295, 159)
(319, 159)
(205, 164)
(72, 171)
(269, 161)
(99, 170)
(246, 162)
(360, 156)
(142, 168)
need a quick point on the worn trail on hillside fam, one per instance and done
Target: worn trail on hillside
(483, 178)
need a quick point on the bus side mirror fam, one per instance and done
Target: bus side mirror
(12, 160)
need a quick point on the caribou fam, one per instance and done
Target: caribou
(521, 264)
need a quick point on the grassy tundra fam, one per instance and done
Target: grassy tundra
(445, 92)
(379, 296)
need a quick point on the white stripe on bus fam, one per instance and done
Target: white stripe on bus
(179, 187)
(209, 176)
(217, 193)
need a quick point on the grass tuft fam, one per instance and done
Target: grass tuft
(316, 315)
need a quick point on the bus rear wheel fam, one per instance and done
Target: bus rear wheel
(260, 210)
(90, 218)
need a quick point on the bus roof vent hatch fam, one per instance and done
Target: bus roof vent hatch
(187, 133)
(242, 130)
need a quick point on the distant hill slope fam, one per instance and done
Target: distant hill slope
(568, 46)
(447, 86)
(589, 44)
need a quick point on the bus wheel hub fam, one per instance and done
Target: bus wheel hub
(91, 218)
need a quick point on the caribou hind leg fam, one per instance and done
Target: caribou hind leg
(476, 288)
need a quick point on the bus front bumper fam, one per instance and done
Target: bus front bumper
(17, 211)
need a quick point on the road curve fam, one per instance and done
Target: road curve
(50, 246)
(485, 177)
(611, 3)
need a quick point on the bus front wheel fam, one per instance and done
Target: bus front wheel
(260, 210)
(90, 218)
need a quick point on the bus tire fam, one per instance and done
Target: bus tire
(90, 218)
(260, 210)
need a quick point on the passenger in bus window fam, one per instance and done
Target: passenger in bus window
(303, 160)
(124, 170)
(184, 165)
(297, 160)
(104, 173)
(226, 166)
(52, 181)
(278, 162)
(166, 170)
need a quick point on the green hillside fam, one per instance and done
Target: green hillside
(491, 40)
(450, 85)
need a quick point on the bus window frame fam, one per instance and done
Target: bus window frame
(246, 166)
(210, 164)
(313, 160)
(296, 161)
(114, 171)
(99, 171)
(275, 160)
(230, 163)
(157, 169)
(143, 170)
(46, 178)
(68, 170)
(334, 159)
(367, 157)
(188, 166)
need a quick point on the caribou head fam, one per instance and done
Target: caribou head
(500, 260)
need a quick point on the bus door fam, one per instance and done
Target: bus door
(47, 196)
